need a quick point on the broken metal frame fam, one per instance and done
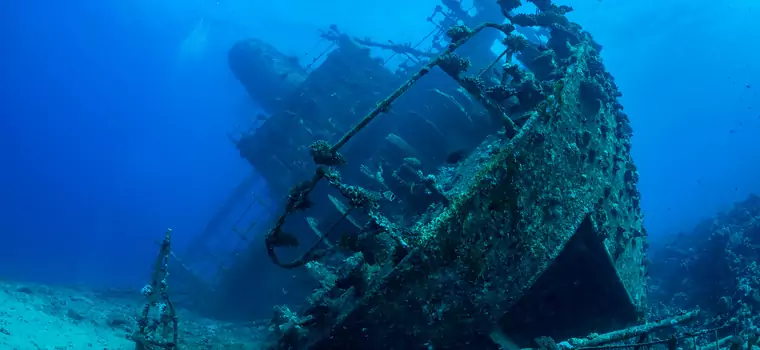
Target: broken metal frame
(298, 196)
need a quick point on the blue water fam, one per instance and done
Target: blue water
(111, 130)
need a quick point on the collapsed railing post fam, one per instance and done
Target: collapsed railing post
(642, 331)
(634, 331)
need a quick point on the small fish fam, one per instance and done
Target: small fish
(456, 156)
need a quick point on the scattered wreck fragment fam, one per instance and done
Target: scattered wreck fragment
(158, 329)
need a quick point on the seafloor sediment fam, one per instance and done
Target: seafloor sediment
(36, 316)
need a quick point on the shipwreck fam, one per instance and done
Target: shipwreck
(464, 198)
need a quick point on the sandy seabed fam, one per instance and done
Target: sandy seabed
(44, 317)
